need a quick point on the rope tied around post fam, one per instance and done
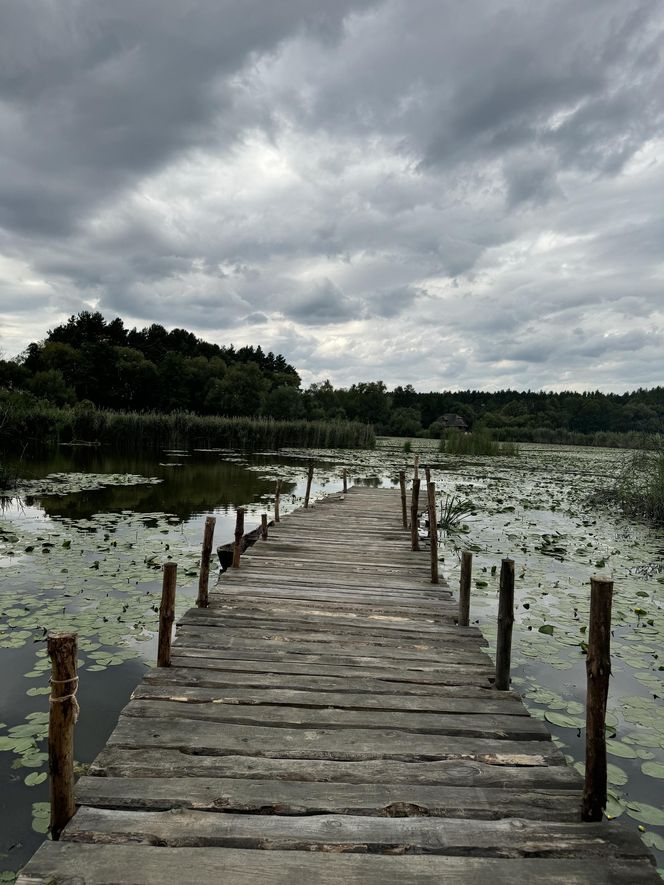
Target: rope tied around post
(60, 699)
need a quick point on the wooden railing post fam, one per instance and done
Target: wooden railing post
(464, 588)
(505, 623)
(277, 498)
(167, 614)
(204, 576)
(345, 480)
(239, 534)
(264, 526)
(414, 507)
(598, 670)
(404, 507)
(310, 476)
(63, 713)
(433, 531)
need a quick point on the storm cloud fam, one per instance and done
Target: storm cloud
(438, 193)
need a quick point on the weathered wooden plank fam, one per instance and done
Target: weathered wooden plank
(512, 837)
(445, 638)
(67, 863)
(395, 629)
(296, 798)
(274, 650)
(348, 700)
(306, 681)
(451, 674)
(354, 744)
(514, 772)
(321, 619)
(268, 715)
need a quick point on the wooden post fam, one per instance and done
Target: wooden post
(264, 526)
(433, 531)
(427, 473)
(63, 713)
(204, 576)
(239, 534)
(167, 614)
(414, 507)
(416, 464)
(310, 476)
(464, 588)
(345, 479)
(505, 622)
(598, 670)
(277, 496)
(404, 508)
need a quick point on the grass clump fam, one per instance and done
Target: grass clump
(479, 442)
(639, 488)
(453, 511)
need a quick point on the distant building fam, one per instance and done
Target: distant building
(449, 420)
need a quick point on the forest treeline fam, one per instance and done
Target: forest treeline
(104, 365)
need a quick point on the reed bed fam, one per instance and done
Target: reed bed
(479, 442)
(43, 425)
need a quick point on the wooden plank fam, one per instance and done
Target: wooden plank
(181, 827)
(514, 772)
(451, 674)
(306, 681)
(247, 796)
(280, 649)
(68, 862)
(354, 744)
(445, 638)
(494, 702)
(373, 630)
(497, 726)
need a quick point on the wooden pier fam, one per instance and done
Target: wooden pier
(324, 720)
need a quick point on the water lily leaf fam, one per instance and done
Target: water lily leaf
(34, 778)
(547, 629)
(617, 748)
(653, 769)
(653, 840)
(564, 720)
(648, 814)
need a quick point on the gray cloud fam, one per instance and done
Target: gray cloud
(468, 196)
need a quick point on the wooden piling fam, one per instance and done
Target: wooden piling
(204, 576)
(433, 531)
(345, 480)
(414, 507)
(167, 614)
(63, 713)
(416, 464)
(404, 507)
(505, 623)
(427, 474)
(239, 534)
(464, 588)
(310, 476)
(598, 671)
(264, 526)
(277, 498)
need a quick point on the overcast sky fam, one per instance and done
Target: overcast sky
(448, 193)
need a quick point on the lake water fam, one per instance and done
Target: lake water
(83, 546)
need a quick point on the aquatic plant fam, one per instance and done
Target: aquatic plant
(128, 432)
(453, 510)
(639, 486)
(479, 442)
